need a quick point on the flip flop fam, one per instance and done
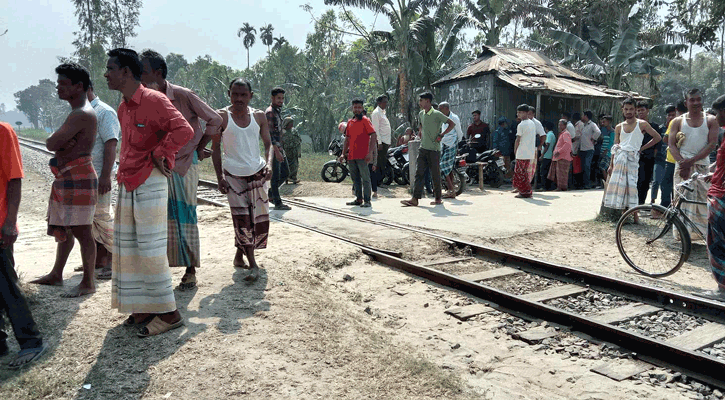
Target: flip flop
(407, 203)
(449, 196)
(157, 326)
(104, 275)
(436, 203)
(36, 351)
(188, 281)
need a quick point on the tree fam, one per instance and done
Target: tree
(18, 123)
(28, 102)
(265, 35)
(279, 42)
(491, 17)
(609, 58)
(123, 16)
(175, 63)
(247, 32)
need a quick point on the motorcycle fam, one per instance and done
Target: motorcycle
(494, 168)
(397, 166)
(334, 170)
(460, 177)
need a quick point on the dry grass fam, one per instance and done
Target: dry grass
(35, 134)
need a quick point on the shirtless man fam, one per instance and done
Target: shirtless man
(244, 174)
(74, 193)
(621, 192)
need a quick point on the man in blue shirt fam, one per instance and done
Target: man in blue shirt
(546, 156)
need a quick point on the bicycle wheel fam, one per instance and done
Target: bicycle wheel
(650, 247)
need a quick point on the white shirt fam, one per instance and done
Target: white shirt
(590, 134)
(539, 127)
(381, 125)
(108, 128)
(526, 131)
(571, 129)
(455, 135)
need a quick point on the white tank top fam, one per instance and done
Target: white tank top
(631, 141)
(242, 156)
(695, 139)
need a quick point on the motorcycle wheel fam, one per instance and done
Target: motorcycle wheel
(400, 178)
(495, 176)
(333, 171)
(388, 177)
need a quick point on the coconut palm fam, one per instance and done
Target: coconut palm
(247, 33)
(279, 42)
(611, 57)
(265, 34)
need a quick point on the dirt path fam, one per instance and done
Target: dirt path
(305, 330)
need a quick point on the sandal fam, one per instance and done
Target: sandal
(157, 326)
(188, 281)
(408, 203)
(37, 352)
(104, 274)
(131, 321)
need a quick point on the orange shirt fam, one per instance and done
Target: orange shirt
(11, 164)
(150, 127)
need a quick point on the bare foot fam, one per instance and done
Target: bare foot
(78, 291)
(253, 274)
(49, 280)
(239, 262)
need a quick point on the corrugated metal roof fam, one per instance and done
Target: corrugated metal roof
(530, 70)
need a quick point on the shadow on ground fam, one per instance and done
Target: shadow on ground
(128, 358)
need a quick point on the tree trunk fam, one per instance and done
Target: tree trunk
(121, 35)
(247, 57)
(722, 58)
(690, 65)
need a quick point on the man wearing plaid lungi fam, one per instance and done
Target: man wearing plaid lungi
(449, 148)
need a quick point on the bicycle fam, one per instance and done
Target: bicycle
(649, 246)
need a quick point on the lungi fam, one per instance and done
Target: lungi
(523, 174)
(448, 159)
(183, 248)
(559, 173)
(250, 209)
(716, 238)
(102, 228)
(697, 213)
(141, 278)
(621, 192)
(73, 196)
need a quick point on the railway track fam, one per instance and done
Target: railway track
(683, 351)
(493, 276)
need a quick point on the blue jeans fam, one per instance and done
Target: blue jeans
(667, 184)
(586, 157)
(659, 174)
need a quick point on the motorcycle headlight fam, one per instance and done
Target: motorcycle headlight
(331, 152)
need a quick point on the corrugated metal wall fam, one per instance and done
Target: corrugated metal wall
(468, 95)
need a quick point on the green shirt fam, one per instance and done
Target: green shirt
(431, 127)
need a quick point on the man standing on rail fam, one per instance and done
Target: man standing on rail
(280, 170)
(74, 193)
(104, 162)
(153, 131)
(693, 136)
(621, 192)
(243, 172)
(183, 248)
(716, 212)
(12, 299)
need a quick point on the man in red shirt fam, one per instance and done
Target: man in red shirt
(716, 213)
(12, 300)
(153, 131)
(361, 141)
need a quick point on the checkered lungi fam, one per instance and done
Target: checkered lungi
(141, 278)
(183, 248)
(249, 204)
(716, 238)
(523, 174)
(621, 192)
(559, 173)
(73, 196)
(448, 159)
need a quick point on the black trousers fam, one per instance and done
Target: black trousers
(280, 170)
(646, 170)
(15, 306)
(427, 159)
(382, 166)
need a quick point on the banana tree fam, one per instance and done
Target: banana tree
(618, 55)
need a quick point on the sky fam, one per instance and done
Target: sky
(39, 31)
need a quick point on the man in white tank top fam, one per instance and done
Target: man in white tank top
(692, 155)
(621, 191)
(244, 174)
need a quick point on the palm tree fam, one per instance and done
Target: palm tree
(248, 39)
(609, 57)
(412, 38)
(265, 34)
(279, 42)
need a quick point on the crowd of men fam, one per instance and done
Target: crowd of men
(154, 225)
(158, 125)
